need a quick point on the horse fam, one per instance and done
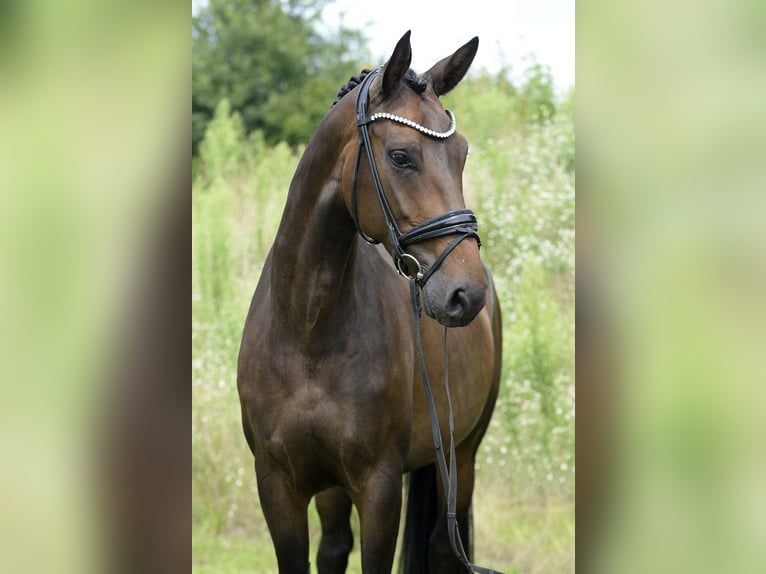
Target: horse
(328, 370)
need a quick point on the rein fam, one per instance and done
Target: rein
(460, 222)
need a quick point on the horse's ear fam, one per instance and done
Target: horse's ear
(447, 73)
(397, 65)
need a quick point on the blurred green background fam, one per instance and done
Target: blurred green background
(671, 199)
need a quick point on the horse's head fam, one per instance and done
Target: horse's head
(416, 208)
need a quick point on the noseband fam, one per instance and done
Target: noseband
(460, 222)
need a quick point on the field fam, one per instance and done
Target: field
(519, 179)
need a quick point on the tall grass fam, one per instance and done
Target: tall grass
(520, 180)
(237, 198)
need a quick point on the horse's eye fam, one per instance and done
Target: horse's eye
(400, 158)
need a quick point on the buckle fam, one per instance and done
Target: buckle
(409, 267)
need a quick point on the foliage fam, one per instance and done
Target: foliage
(519, 179)
(507, 107)
(537, 94)
(237, 198)
(267, 58)
(522, 171)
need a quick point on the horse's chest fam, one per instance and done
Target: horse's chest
(328, 419)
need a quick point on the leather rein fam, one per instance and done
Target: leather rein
(459, 222)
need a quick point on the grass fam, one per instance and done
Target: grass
(520, 181)
(513, 534)
(219, 554)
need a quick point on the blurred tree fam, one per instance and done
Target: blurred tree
(267, 57)
(537, 98)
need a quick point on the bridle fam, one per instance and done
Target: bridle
(459, 222)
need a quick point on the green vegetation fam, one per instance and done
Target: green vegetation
(520, 180)
(267, 58)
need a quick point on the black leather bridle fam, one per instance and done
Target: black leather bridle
(459, 222)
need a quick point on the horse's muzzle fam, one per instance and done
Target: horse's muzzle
(457, 306)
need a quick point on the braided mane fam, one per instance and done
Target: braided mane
(410, 78)
(352, 83)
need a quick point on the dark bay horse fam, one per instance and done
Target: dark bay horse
(328, 375)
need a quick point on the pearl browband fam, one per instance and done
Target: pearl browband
(417, 126)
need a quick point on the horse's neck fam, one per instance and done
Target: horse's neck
(314, 249)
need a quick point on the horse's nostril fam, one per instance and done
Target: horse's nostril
(458, 302)
(461, 306)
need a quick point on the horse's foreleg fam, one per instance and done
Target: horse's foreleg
(286, 513)
(334, 507)
(442, 559)
(379, 504)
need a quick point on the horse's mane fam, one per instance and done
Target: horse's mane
(418, 84)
